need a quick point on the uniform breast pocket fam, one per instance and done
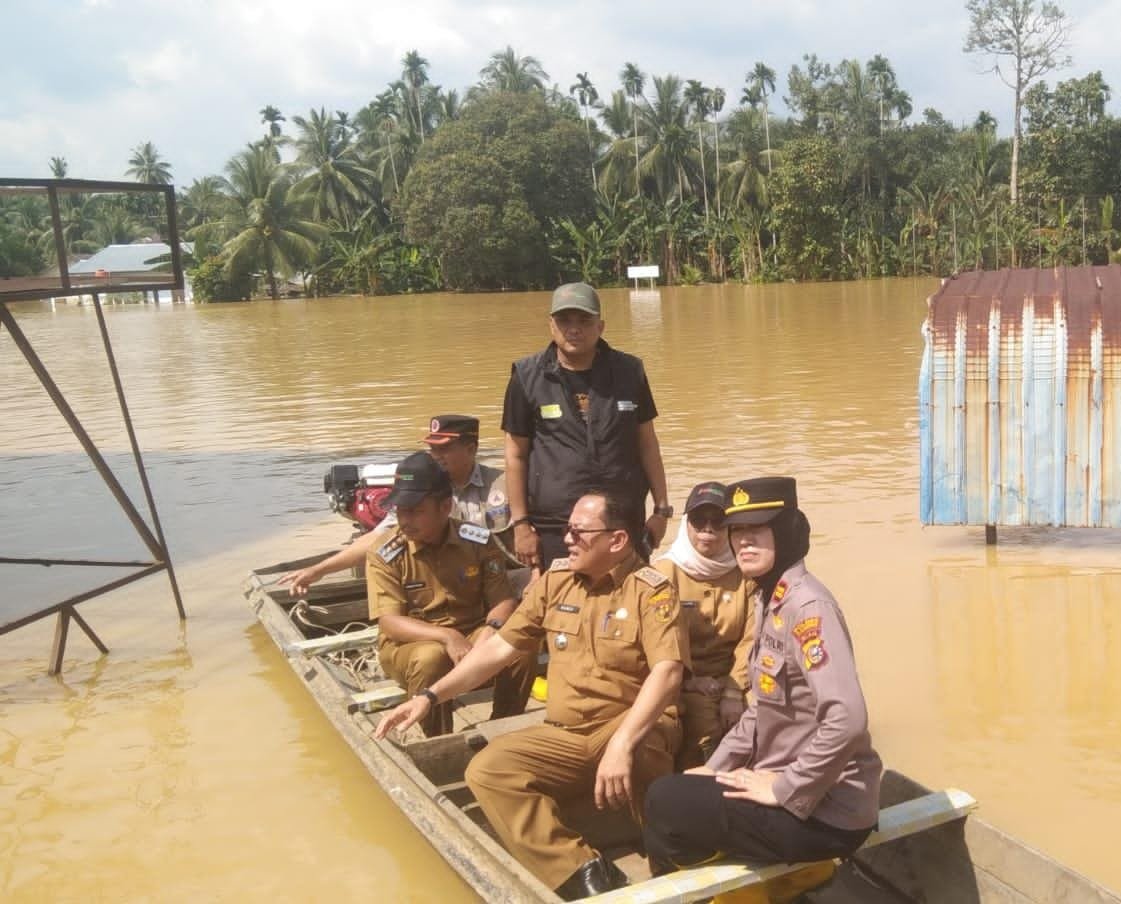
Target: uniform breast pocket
(769, 680)
(617, 643)
(562, 630)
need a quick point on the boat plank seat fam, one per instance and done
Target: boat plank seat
(897, 821)
(332, 643)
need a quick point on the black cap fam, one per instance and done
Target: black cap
(759, 500)
(444, 428)
(708, 493)
(418, 476)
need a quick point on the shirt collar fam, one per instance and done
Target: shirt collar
(615, 577)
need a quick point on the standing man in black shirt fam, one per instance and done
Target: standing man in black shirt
(578, 416)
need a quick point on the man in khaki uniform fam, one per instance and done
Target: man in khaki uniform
(437, 587)
(478, 497)
(717, 607)
(617, 657)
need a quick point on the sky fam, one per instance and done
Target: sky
(89, 80)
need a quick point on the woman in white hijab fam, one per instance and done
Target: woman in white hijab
(718, 606)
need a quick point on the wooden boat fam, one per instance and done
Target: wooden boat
(925, 849)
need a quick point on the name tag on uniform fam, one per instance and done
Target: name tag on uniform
(624, 405)
(567, 607)
(474, 533)
(414, 585)
(550, 412)
(688, 604)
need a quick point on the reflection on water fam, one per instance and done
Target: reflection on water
(194, 758)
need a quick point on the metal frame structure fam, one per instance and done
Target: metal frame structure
(152, 537)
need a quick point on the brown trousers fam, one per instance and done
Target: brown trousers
(421, 663)
(520, 778)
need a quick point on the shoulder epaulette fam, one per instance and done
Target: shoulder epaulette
(473, 532)
(651, 576)
(560, 564)
(392, 549)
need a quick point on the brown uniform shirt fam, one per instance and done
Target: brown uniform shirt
(719, 617)
(806, 718)
(602, 638)
(452, 584)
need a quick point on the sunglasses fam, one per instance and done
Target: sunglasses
(579, 532)
(703, 519)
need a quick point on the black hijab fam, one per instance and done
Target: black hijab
(792, 541)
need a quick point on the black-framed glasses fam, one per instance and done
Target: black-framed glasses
(578, 532)
(705, 519)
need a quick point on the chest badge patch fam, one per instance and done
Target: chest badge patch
(561, 643)
(777, 621)
(550, 412)
(621, 614)
(767, 685)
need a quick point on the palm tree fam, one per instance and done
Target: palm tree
(267, 223)
(203, 202)
(587, 96)
(717, 103)
(761, 80)
(698, 100)
(448, 106)
(633, 81)
(415, 76)
(58, 167)
(146, 165)
(272, 117)
(335, 180)
(507, 71)
(667, 159)
(380, 118)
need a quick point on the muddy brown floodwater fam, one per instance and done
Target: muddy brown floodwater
(190, 763)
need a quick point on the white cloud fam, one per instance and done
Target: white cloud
(89, 79)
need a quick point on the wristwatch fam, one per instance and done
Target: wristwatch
(430, 694)
(495, 623)
(666, 511)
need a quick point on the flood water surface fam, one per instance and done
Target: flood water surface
(189, 761)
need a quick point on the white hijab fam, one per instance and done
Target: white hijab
(702, 568)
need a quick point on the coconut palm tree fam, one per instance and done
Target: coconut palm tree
(58, 167)
(267, 224)
(761, 80)
(414, 75)
(202, 202)
(667, 160)
(586, 94)
(335, 181)
(146, 165)
(633, 81)
(507, 71)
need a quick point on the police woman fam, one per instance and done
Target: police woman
(796, 779)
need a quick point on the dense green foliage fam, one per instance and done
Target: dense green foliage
(485, 190)
(517, 185)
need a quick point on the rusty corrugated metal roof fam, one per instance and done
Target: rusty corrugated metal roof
(1020, 398)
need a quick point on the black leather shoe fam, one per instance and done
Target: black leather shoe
(593, 878)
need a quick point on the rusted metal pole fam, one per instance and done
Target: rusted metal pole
(135, 446)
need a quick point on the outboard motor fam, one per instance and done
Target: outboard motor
(358, 494)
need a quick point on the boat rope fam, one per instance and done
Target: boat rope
(361, 665)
